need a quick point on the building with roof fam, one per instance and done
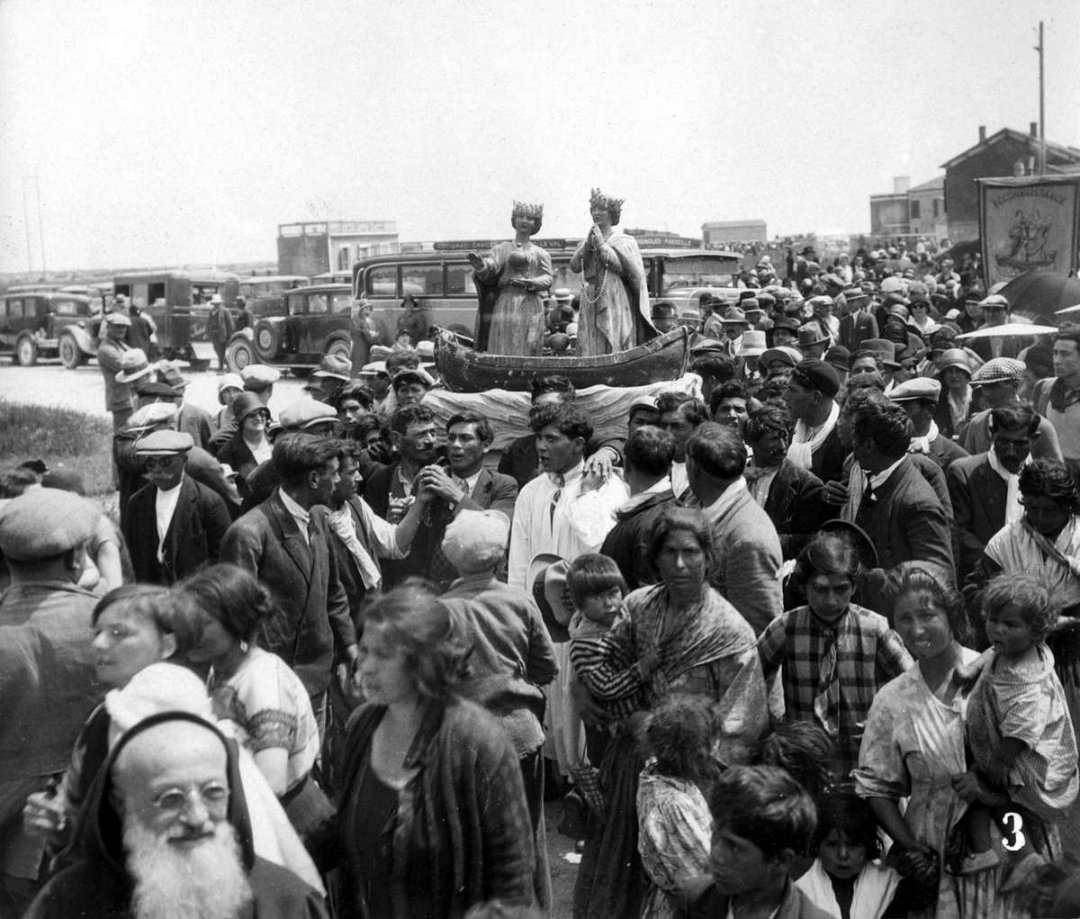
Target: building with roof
(1004, 153)
(717, 233)
(907, 211)
(314, 247)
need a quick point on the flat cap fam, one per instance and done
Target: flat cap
(151, 415)
(820, 376)
(705, 345)
(169, 374)
(784, 353)
(999, 370)
(994, 302)
(118, 318)
(417, 375)
(916, 388)
(164, 443)
(45, 522)
(257, 377)
(334, 366)
(303, 413)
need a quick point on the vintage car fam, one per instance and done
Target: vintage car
(43, 324)
(265, 294)
(316, 322)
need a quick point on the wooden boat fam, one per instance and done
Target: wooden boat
(464, 370)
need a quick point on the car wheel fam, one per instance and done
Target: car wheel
(339, 348)
(239, 354)
(267, 339)
(71, 354)
(26, 352)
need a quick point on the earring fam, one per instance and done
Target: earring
(243, 647)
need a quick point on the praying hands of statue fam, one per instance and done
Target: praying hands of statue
(596, 238)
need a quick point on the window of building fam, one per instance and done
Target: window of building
(915, 210)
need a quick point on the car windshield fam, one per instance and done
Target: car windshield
(702, 271)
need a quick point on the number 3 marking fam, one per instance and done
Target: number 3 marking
(1015, 841)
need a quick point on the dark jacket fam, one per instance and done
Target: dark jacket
(906, 522)
(493, 491)
(855, 328)
(192, 540)
(470, 824)
(98, 886)
(978, 498)
(311, 626)
(197, 422)
(796, 506)
(628, 541)
(945, 451)
(828, 460)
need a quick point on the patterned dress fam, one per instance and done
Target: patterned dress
(674, 838)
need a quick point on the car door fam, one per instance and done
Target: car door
(10, 317)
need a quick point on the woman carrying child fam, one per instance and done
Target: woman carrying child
(680, 636)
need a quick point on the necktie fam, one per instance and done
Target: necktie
(827, 696)
(559, 481)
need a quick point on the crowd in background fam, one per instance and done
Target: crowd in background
(799, 639)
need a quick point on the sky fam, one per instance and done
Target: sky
(180, 132)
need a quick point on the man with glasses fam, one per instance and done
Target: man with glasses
(173, 525)
(167, 834)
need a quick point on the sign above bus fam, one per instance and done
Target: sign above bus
(663, 241)
(475, 245)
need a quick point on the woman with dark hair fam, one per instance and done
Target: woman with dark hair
(432, 818)
(250, 444)
(705, 648)
(512, 281)
(674, 823)
(913, 746)
(834, 655)
(219, 613)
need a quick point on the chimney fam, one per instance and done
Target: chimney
(1035, 129)
(901, 184)
(982, 134)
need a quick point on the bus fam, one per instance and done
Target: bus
(440, 279)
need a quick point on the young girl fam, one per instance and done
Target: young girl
(845, 879)
(674, 823)
(597, 588)
(1017, 726)
(833, 654)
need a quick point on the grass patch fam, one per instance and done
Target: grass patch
(62, 437)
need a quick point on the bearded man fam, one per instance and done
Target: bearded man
(165, 833)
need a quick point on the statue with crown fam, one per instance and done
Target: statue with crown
(512, 282)
(615, 300)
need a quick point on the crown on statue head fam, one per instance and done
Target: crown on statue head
(532, 211)
(599, 199)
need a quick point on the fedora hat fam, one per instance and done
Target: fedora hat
(810, 336)
(134, 365)
(547, 575)
(883, 349)
(753, 344)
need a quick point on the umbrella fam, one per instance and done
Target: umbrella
(1068, 310)
(1010, 330)
(1041, 292)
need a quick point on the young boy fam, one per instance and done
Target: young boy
(762, 819)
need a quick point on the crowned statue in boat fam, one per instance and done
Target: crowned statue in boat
(614, 312)
(511, 283)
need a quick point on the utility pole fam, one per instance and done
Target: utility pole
(41, 230)
(26, 224)
(1042, 101)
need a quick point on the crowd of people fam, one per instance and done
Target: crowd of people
(799, 639)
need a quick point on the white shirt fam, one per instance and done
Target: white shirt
(576, 524)
(164, 507)
(880, 478)
(679, 481)
(299, 514)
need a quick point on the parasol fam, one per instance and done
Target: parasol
(1068, 310)
(1010, 330)
(1041, 292)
